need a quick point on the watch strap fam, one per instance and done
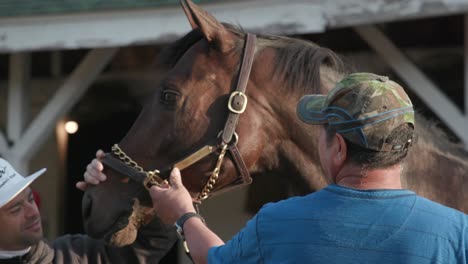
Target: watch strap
(181, 221)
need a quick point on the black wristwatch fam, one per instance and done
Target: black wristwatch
(179, 224)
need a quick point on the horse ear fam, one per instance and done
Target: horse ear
(211, 28)
(188, 14)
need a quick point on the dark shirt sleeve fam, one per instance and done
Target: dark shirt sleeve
(152, 244)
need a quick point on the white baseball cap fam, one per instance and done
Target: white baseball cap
(12, 183)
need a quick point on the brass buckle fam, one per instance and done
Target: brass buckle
(234, 94)
(152, 178)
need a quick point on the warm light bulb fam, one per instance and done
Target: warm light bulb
(71, 127)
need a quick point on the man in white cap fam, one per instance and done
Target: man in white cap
(21, 237)
(19, 216)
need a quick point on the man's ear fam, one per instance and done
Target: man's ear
(341, 150)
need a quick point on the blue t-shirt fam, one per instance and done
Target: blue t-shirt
(342, 225)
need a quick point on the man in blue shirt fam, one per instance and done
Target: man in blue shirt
(363, 216)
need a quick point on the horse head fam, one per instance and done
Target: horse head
(224, 111)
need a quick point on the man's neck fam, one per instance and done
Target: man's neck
(357, 177)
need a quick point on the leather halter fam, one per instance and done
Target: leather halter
(236, 106)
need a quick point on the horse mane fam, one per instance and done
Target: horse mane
(439, 140)
(299, 63)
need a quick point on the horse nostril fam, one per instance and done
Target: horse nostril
(87, 206)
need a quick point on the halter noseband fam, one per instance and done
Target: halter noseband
(236, 106)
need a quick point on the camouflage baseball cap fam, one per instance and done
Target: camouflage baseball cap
(364, 108)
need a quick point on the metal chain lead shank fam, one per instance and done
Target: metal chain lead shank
(213, 177)
(152, 177)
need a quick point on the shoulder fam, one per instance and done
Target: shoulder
(440, 220)
(434, 209)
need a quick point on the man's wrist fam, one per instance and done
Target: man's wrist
(179, 224)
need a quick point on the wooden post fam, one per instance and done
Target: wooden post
(18, 104)
(63, 100)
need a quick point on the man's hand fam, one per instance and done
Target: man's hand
(93, 174)
(172, 200)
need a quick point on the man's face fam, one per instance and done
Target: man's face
(20, 222)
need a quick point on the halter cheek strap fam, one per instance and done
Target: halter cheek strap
(238, 100)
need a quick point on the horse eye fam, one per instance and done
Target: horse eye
(169, 96)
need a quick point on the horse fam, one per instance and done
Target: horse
(225, 113)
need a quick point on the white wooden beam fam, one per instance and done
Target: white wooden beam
(416, 80)
(18, 109)
(63, 100)
(163, 24)
(18, 95)
(157, 25)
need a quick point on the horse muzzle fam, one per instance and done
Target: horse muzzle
(99, 223)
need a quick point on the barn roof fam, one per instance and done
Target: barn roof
(58, 24)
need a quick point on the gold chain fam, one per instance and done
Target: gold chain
(150, 175)
(126, 159)
(213, 177)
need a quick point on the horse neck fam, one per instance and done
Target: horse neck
(299, 154)
(437, 172)
(290, 147)
(294, 156)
